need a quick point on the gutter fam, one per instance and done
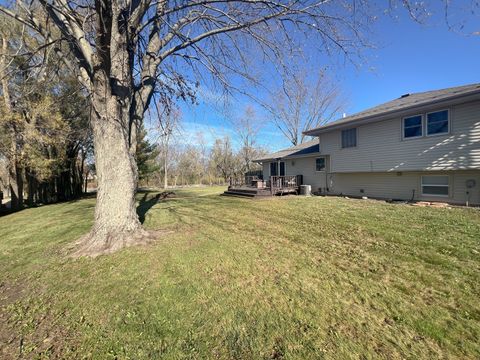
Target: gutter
(472, 96)
(289, 157)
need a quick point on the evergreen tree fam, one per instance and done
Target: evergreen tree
(146, 154)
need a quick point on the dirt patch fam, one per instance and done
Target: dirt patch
(166, 195)
(29, 329)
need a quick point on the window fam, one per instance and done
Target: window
(412, 126)
(319, 164)
(349, 138)
(437, 122)
(435, 185)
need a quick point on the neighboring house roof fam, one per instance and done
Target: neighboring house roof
(404, 103)
(308, 147)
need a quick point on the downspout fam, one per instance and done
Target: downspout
(327, 167)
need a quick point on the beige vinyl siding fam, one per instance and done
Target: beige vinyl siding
(306, 166)
(302, 166)
(266, 170)
(405, 186)
(381, 148)
(459, 191)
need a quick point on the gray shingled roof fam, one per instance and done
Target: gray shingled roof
(307, 147)
(405, 102)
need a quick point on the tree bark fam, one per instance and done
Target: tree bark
(15, 170)
(16, 185)
(116, 221)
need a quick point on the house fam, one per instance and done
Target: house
(421, 146)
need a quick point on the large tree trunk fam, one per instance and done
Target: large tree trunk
(114, 123)
(116, 221)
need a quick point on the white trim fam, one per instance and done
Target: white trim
(448, 186)
(421, 126)
(426, 123)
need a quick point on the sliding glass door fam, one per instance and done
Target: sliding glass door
(274, 168)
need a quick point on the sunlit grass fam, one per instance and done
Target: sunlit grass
(242, 279)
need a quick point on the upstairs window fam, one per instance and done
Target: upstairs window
(437, 122)
(412, 127)
(435, 185)
(349, 138)
(320, 164)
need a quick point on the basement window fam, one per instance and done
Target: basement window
(435, 185)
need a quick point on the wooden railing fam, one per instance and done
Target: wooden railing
(276, 184)
(244, 181)
(283, 182)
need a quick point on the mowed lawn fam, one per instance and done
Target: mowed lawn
(283, 278)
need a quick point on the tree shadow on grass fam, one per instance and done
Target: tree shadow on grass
(146, 203)
(6, 210)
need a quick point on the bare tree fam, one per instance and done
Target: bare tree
(125, 53)
(300, 104)
(15, 169)
(168, 125)
(223, 159)
(247, 127)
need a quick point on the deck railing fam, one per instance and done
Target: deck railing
(276, 184)
(283, 182)
(244, 181)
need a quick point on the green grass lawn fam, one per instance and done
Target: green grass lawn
(283, 278)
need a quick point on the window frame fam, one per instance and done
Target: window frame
(356, 138)
(434, 185)
(422, 126)
(448, 123)
(324, 164)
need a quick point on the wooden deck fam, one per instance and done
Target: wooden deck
(276, 185)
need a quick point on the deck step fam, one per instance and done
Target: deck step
(248, 194)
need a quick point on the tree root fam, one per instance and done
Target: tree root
(100, 243)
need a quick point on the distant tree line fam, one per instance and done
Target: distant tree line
(171, 162)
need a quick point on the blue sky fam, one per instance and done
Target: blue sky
(409, 57)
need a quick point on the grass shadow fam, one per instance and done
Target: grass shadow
(5, 210)
(146, 203)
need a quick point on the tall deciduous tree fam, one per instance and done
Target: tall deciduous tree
(168, 125)
(247, 127)
(305, 102)
(10, 121)
(125, 52)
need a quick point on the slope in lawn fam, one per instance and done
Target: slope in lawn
(282, 278)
